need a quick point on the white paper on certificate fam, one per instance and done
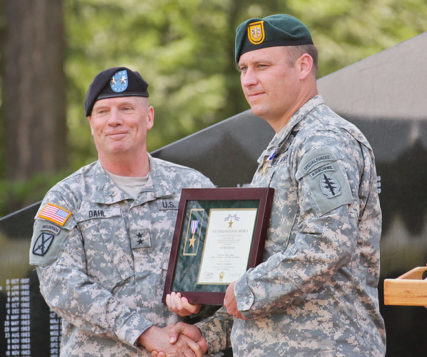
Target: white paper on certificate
(227, 245)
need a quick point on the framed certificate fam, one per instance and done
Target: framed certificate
(219, 234)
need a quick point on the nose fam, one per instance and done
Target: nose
(114, 119)
(248, 78)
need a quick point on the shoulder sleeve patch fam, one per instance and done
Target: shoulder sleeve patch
(325, 179)
(46, 242)
(54, 214)
(52, 226)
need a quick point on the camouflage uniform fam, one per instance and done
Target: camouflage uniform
(104, 270)
(315, 294)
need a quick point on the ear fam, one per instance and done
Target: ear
(305, 65)
(150, 117)
(90, 123)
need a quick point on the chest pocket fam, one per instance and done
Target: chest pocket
(106, 242)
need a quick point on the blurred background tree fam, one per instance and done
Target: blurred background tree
(51, 50)
(33, 91)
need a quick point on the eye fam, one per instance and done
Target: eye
(243, 68)
(100, 111)
(127, 108)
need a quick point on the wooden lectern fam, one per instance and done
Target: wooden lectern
(409, 289)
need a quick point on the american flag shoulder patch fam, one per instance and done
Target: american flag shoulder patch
(54, 214)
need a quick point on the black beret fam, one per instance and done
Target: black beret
(115, 82)
(270, 31)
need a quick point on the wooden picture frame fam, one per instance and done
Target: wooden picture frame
(219, 234)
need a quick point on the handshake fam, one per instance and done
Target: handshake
(180, 339)
(183, 339)
(176, 340)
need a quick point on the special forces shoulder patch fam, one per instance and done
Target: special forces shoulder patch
(325, 178)
(329, 186)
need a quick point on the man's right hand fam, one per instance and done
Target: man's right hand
(157, 339)
(184, 331)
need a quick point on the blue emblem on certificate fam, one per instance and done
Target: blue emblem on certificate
(194, 229)
(119, 82)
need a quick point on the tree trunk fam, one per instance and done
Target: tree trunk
(33, 88)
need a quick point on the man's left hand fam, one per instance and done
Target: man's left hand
(180, 305)
(230, 302)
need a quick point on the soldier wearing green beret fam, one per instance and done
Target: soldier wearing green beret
(315, 293)
(102, 236)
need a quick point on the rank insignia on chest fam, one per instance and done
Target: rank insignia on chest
(139, 238)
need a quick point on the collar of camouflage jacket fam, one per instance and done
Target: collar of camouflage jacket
(107, 192)
(280, 141)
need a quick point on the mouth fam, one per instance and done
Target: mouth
(254, 95)
(117, 136)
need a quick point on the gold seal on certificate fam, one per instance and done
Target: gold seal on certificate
(219, 234)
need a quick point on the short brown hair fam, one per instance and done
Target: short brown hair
(295, 52)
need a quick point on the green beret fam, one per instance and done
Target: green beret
(115, 82)
(270, 31)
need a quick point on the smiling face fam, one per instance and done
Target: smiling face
(274, 85)
(119, 126)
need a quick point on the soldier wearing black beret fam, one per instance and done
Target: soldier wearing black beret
(315, 293)
(103, 234)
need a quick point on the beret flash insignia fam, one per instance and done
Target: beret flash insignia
(119, 82)
(256, 34)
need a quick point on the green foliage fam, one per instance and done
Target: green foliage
(348, 31)
(17, 194)
(169, 42)
(184, 49)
